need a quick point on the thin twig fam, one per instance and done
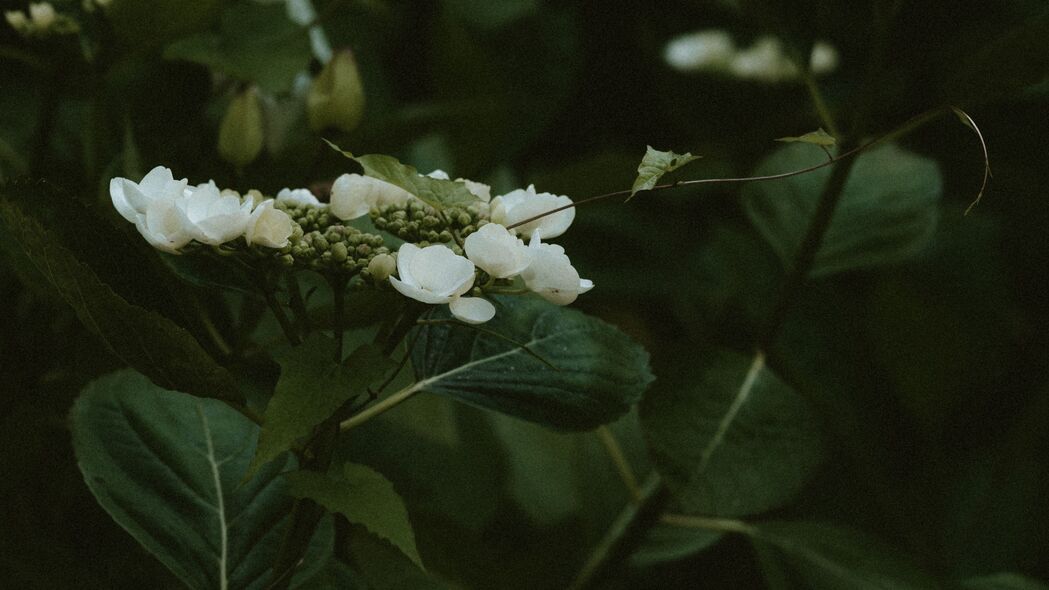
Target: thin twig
(615, 452)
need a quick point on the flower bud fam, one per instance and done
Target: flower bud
(241, 133)
(336, 96)
(382, 266)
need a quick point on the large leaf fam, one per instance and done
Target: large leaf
(168, 468)
(597, 374)
(829, 557)
(364, 497)
(887, 212)
(736, 441)
(147, 341)
(654, 165)
(149, 23)
(311, 387)
(383, 567)
(1003, 581)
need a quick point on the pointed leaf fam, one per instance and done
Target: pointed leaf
(600, 371)
(737, 441)
(887, 212)
(311, 387)
(654, 165)
(363, 496)
(817, 137)
(168, 467)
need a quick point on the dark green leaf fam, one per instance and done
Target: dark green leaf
(665, 542)
(485, 14)
(212, 271)
(383, 567)
(600, 371)
(829, 557)
(169, 467)
(311, 387)
(817, 137)
(436, 192)
(655, 164)
(150, 23)
(150, 343)
(1003, 581)
(887, 212)
(1009, 63)
(737, 441)
(364, 497)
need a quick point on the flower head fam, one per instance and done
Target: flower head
(299, 196)
(497, 251)
(521, 204)
(436, 275)
(133, 199)
(213, 217)
(269, 226)
(551, 274)
(353, 195)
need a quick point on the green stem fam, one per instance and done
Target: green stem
(386, 403)
(298, 304)
(826, 118)
(338, 293)
(615, 453)
(282, 318)
(722, 525)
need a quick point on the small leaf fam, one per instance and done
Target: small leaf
(654, 165)
(737, 441)
(664, 542)
(382, 566)
(817, 137)
(168, 468)
(887, 212)
(435, 192)
(363, 496)
(311, 387)
(600, 371)
(1003, 581)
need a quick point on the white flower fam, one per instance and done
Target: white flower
(17, 19)
(521, 204)
(551, 274)
(702, 50)
(824, 58)
(163, 225)
(42, 14)
(353, 195)
(132, 199)
(436, 275)
(479, 189)
(765, 61)
(269, 226)
(497, 251)
(212, 217)
(439, 175)
(299, 196)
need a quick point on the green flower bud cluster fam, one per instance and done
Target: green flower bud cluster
(309, 218)
(418, 222)
(337, 248)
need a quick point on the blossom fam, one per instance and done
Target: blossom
(214, 217)
(133, 199)
(551, 274)
(42, 14)
(702, 50)
(163, 225)
(522, 204)
(765, 60)
(479, 189)
(824, 58)
(268, 226)
(353, 195)
(299, 196)
(436, 275)
(497, 251)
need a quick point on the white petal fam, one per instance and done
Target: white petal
(117, 193)
(405, 255)
(439, 270)
(497, 252)
(416, 293)
(351, 197)
(439, 174)
(299, 196)
(472, 310)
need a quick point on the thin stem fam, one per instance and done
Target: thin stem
(338, 292)
(615, 452)
(826, 118)
(387, 403)
(282, 318)
(723, 525)
(298, 304)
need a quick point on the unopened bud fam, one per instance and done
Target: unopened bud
(336, 97)
(382, 266)
(241, 135)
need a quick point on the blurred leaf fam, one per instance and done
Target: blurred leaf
(256, 43)
(383, 567)
(364, 497)
(168, 468)
(492, 14)
(817, 137)
(829, 557)
(655, 164)
(736, 441)
(887, 212)
(600, 371)
(1003, 581)
(218, 272)
(665, 542)
(151, 23)
(150, 343)
(311, 387)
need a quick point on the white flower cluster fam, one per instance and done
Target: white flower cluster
(42, 20)
(170, 214)
(436, 275)
(713, 50)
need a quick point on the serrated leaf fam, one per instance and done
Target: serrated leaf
(830, 557)
(600, 371)
(817, 137)
(435, 192)
(887, 212)
(737, 441)
(1003, 581)
(147, 341)
(168, 468)
(381, 565)
(654, 165)
(311, 387)
(364, 497)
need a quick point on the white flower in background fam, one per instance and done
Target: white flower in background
(163, 225)
(551, 274)
(299, 196)
(439, 175)
(17, 19)
(479, 189)
(765, 60)
(522, 204)
(133, 199)
(269, 226)
(497, 251)
(213, 217)
(702, 50)
(824, 58)
(353, 195)
(42, 14)
(436, 275)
